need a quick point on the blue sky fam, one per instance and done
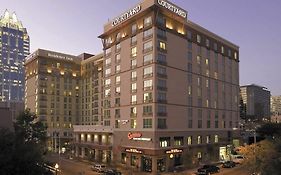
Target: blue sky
(72, 26)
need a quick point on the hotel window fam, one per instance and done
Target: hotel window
(189, 56)
(161, 33)
(117, 90)
(189, 78)
(198, 60)
(216, 120)
(209, 119)
(133, 63)
(147, 97)
(133, 123)
(189, 35)
(107, 82)
(133, 111)
(207, 62)
(134, 87)
(189, 67)
(162, 110)
(235, 55)
(215, 46)
(216, 138)
(162, 97)
(147, 84)
(199, 140)
(199, 81)
(134, 52)
(117, 102)
(107, 61)
(147, 110)
(161, 59)
(190, 116)
(147, 123)
(199, 113)
(207, 42)
(208, 139)
(222, 49)
(178, 141)
(189, 140)
(107, 72)
(147, 46)
(118, 47)
(162, 45)
(161, 123)
(117, 80)
(198, 38)
(162, 84)
(189, 89)
(134, 28)
(118, 37)
(107, 51)
(161, 71)
(134, 40)
(161, 20)
(207, 72)
(147, 33)
(107, 92)
(147, 59)
(117, 123)
(164, 142)
(134, 99)
(189, 45)
(229, 52)
(147, 21)
(147, 72)
(133, 75)
(117, 69)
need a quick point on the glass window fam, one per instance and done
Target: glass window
(118, 47)
(207, 42)
(134, 75)
(133, 123)
(147, 123)
(108, 51)
(147, 33)
(147, 46)
(162, 109)
(198, 37)
(134, 99)
(134, 52)
(147, 97)
(134, 28)
(117, 90)
(199, 140)
(147, 21)
(147, 58)
(147, 109)
(107, 72)
(117, 68)
(133, 63)
(164, 142)
(216, 138)
(178, 141)
(222, 49)
(189, 35)
(147, 84)
(161, 33)
(147, 71)
(117, 80)
(134, 87)
(161, 123)
(107, 61)
(161, 20)
(162, 45)
(189, 140)
(161, 58)
(107, 82)
(208, 139)
(134, 40)
(117, 58)
(161, 70)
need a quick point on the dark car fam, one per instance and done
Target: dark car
(228, 164)
(208, 169)
(111, 172)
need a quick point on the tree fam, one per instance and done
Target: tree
(21, 152)
(263, 157)
(270, 130)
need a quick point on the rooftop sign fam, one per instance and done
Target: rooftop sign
(53, 55)
(126, 15)
(172, 8)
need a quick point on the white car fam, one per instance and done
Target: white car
(98, 168)
(237, 159)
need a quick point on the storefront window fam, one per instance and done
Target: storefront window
(123, 158)
(161, 167)
(178, 141)
(133, 160)
(164, 141)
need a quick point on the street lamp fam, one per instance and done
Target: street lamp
(57, 167)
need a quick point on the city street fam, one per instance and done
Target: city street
(75, 167)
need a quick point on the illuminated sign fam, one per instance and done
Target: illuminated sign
(173, 151)
(134, 135)
(59, 57)
(142, 139)
(172, 8)
(133, 151)
(126, 15)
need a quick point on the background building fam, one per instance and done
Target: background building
(5, 118)
(15, 107)
(275, 105)
(170, 92)
(14, 47)
(256, 100)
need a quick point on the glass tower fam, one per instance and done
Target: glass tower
(14, 47)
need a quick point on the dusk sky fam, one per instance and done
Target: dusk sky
(72, 26)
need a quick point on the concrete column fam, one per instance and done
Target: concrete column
(76, 151)
(154, 165)
(83, 152)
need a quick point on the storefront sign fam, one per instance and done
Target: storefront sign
(134, 135)
(172, 8)
(126, 15)
(131, 150)
(59, 57)
(142, 139)
(173, 151)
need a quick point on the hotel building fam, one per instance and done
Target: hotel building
(52, 91)
(14, 47)
(170, 92)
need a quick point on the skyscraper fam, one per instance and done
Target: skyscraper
(14, 47)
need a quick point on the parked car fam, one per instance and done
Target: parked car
(228, 164)
(112, 172)
(208, 169)
(238, 159)
(98, 168)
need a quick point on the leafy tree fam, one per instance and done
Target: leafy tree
(21, 151)
(270, 130)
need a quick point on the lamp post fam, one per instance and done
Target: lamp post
(57, 167)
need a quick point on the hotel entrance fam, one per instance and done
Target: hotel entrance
(146, 164)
